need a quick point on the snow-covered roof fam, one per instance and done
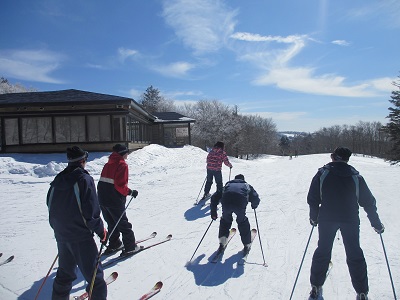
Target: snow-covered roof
(171, 117)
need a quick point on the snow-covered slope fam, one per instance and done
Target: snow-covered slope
(168, 181)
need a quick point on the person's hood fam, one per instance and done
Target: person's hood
(115, 157)
(341, 169)
(67, 178)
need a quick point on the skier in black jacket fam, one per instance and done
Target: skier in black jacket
(74, 215)
(234, 198)
(334, 197)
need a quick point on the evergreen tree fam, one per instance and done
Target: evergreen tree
(393, 127)
(151, 99)
(284, 144)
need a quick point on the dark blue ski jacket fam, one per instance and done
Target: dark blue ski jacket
(74, 211)
(236, 193)
(337, 191)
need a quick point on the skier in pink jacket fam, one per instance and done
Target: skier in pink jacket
(215, 158)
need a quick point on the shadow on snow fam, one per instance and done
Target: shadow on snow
(214, 274)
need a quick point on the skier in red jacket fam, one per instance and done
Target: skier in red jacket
(112, 190)
(215, 158)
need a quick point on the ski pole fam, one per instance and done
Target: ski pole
(230, 171)
(197, 199)
(305, 250)
(201, 240)
(387, 263)
(259, 237)
(101, 250)
(47, 275)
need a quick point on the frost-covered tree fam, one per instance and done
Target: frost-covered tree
(393, 127)
(6, 87)
(242, 135)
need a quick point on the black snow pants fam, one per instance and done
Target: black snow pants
(84, 255)
(111, 216)
(218, 180)
(354, 254)
(241, 219)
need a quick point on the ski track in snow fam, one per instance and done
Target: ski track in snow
(168, 181)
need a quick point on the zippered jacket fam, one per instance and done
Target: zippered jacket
(113, 184)
(236, 193)
(74, 211)
(337, 191)
(215, 158)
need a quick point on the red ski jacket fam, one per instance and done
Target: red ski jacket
(115, 172)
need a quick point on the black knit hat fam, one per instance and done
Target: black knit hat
(75, 154)
(239, 176)
(120, 149)
(341, 153)
(219, 145)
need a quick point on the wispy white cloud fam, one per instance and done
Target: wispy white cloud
(176, 69)
(275, 65)
(341, 42)
(124, 53)
(31, 65)
(385, 12)
(202, 25)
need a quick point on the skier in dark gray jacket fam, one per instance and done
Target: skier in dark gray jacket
(334, 197)
(234, 198)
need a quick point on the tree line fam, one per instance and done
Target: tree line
(248, 136)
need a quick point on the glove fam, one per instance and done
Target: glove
(214, 215)
(103, 238)
(254, 206)
(379, 228)
(313, 222)
(133, 193)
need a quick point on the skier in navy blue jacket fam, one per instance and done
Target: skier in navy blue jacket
(234, 198)
(74, 215)
(334, 197)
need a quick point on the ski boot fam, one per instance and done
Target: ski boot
(316, 293)
(362, 296)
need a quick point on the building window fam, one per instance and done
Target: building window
(99, 128)
(36, 130)
(11, 131)
(70, 129)
(119, 128)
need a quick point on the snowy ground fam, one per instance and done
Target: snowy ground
(168, 181)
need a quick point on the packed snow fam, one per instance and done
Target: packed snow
(169, 182)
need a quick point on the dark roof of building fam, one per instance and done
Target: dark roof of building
(63, 96)
(171, 117)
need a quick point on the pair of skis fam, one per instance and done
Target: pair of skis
(6, 261)
(124, 257)
(151, 236)
(110, 279)
(220, 252)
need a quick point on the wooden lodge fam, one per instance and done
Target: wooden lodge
(42, 122)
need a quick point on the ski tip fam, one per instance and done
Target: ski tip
(233, 229)
(169, 236)
(114, 275)
(153, 234)
(254, 230)
(158, 285)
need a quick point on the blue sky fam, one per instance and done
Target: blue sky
(306, 64)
